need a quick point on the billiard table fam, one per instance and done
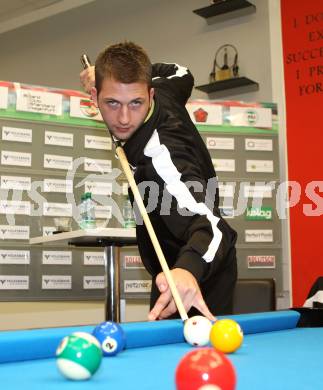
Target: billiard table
(281, 350)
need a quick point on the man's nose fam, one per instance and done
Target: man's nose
(124, 115)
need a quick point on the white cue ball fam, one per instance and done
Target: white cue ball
(197, 331)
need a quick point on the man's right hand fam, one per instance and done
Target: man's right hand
(87, 78)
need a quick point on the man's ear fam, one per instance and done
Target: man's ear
(94, 95)
(151, 95)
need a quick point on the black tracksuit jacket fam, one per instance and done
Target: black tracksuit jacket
(175, 174)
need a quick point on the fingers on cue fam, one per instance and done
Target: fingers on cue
(161, 303)
(168, 311)
(202, 307)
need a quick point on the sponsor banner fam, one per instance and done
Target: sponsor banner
(14, 232)
(261, 261)
(15, 158)
(132, 262)
(40, 102)
(57, 257)
(103, 212)
(59, 139)
(3, 97)
(251, 116)
(97, 165)
(83, 107)
(266, 166)
(48, 230)
(257, 191)
(56, 282)
(58, 185)
(57, 209)
(259, 214)
(220, 143)
(15, 183)
(226, 212)
(95, 142)
(10, 256)
(14, 282)
(15, 207)
(16, 134)
(93, 258)
(137, 286)
(224, 165)
(259, 144)
(94, 282)
(205, 113)
(226, 190)
(259, 235)
(98, 188)
(35, 103)
(57, 162)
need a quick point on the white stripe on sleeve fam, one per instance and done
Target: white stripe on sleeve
(166, 169)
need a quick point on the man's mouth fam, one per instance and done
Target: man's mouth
(123, 129)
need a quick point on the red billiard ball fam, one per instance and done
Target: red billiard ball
(205, 368)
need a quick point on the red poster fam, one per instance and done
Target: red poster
(302, 35)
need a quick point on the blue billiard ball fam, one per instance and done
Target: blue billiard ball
(111, 337)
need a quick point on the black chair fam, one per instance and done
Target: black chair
(314, 297)
(254, 296)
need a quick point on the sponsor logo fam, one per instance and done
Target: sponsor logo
(259, 214)
(227, 212)
(265, 235)
(58, 162)
(97, 165)
(220, 143)
(94, 282)
(14, 257)
(14, 232)
(252, 117)
(200, 115)
(15, 134)
(94, 142)
(15, 158)
(15, 183)
(60, 139)
(132, 262)
(57, 257)
(137, 286)
(93, 258)
(14, 282)
(262, 261)
(88, 108)
(48, 230)
(56, 282)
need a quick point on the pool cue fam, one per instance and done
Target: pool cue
(134, 188)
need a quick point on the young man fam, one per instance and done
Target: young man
(144, 106)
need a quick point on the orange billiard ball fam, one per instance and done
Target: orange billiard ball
(226, 335)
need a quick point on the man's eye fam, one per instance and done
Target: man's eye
(136, 103)
(112, 103)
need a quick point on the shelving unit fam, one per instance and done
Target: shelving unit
(226, 7)
(237, 82)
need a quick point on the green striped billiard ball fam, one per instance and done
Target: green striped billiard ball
(79, 356)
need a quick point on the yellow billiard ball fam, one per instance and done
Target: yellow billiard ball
(226, 335)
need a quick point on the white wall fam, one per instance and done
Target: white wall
(47, 52)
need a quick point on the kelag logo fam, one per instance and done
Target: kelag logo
(259, 214)
(252, 117)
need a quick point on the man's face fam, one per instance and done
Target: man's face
(123, 107)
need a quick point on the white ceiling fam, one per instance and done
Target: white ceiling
(18, 13)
